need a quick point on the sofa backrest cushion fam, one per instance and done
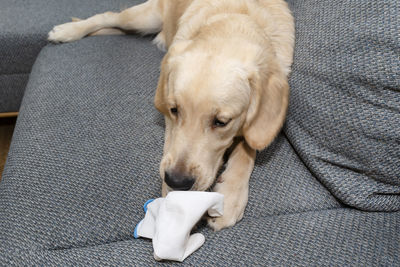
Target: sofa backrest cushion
(344, 115)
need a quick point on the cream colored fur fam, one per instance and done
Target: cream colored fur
(227, 60)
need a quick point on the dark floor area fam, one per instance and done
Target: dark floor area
(6, 130)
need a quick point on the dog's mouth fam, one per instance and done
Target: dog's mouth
(207, 184)
(217, 178)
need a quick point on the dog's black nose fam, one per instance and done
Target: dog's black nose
(178, 181)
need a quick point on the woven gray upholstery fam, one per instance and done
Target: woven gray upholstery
(344, 117)
(23, 31)
(12, 88)
(88, 141)
(88, 129)
(326, 238)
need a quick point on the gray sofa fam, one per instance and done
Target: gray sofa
(85, 152)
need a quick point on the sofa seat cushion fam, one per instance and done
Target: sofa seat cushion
(23, 32)
(338, 237)
(88, 143)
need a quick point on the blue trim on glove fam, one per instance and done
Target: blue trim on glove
(147, 203)
(135, 234)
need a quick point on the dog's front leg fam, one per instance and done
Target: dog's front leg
(234, 185)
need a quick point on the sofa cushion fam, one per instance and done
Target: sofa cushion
(344, 116)
(340, 237)
(23, 32)
(87, 146)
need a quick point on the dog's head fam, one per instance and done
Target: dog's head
(209, 95)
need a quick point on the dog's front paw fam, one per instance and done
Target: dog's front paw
(67, 32)
(235, 201)
(225, 221)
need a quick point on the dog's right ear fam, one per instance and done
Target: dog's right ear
(160, 99)
(161, 92)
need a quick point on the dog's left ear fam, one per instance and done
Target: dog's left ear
(267, 109)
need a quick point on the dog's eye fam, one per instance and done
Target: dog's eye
(174, 111)
(218, 123)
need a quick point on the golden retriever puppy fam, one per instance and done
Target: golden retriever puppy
(223, 78)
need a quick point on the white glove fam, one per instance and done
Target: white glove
(168, 221)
